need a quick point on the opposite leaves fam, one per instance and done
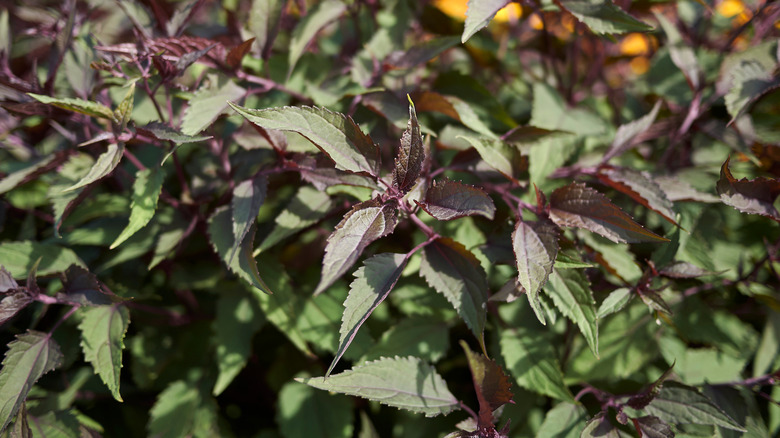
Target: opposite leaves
(404, 383)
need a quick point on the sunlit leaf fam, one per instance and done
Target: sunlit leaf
(28, 173)
(237, 320)
(531, 359)
(304, 411)
(146, 192)
(418, 336)
(490, 383)
(682, 53)
(365, 223)
(577, 205)
(565, 420)
(77, 105)
(207, 104)
(103, 330)
(756, 196)
(183, 409)
(497, 154)
(162, 131)
(19, 257)
(678, 403)
(372, 283)
(105, 164)
(454, 272)
(479, 14)
(615, 301)
(604, 17)
(640, 187)
(453, 107)
(29, 357)
(335, 134)
(626, 134)
(570, 291)
(550, 111)
(447, 200)
(411, 155)
(248, 197)
(404, 383)
(124, 110)
(536, 246)
(308, 206)
(264, 23)
(318, 17)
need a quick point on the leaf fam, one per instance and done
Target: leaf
(681, 404)
(363, 224)
(12, 302)
(29, 357)
(40, 167)
(626, 135)
(684, 270)
(565, 420)
(248, 197)
(679, 190)
(479, 14)
(603, 17)
(317, 18)
(577, 205)
(641, 187)
(182, 410)
(531, 359)
(124, 110)
(418, 336)
(146, 191)
(70, 173)
(453, 107)
(454, 272)
(570, 291)
(221, 236)
(551, 112)
(305, 412)
(102, 333)
(404, 383)
(79, 286)
(105, 164)
(19, 257)
(237, 320)
(335, 134)
(236, 54)
(614, 302)
(535, 245)
(449, 200)
(599, 426)
(755, 196)
(411, 155)
(81, 106)
(373, 282)
(497, 154)
(681, 53)
(263, 23)
(420, 53)
(750, 79)
(207, 104)
(161, 131)
(490, 383)
(653, 427)
(308, 206)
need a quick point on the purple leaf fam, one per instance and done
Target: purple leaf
(411, 155)
(451, 200)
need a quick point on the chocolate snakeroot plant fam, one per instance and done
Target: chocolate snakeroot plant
(333, 218)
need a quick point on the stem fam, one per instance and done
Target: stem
(469, 410)
(423, 226)
(64, 317)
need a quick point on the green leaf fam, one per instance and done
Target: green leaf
(248, 197)
(404, 383)
(453, 271)
(641, 187)
(420, 52)
(453, 107)
(678, 403)
(335, 134)
(207, 104)
(531, 359)
(497, 154)
(551, 112)
(570, 291)
(684, 270)
(681, 53)
(447, 200)
(221, 236)
(146, 191)
(565, 420)
(86, 107)
(263, 23)
(19, 258)
(535, 245)
(183, 410)
(102, 333)
(365, 223)
(62, 202)
(60, 424)
(21, 176)
(318, 17)
(306, 412)
(29, 357)
(238, 319)
(479, 14)
(372, 283)
(162, 131)
(627, 134)
(756, 196)
(308, 206)
(411, 155)
(770, 345)
(603, 17)
(614, 302)
(124, 110)
(423, 337)
(490, 383)
(577, 205)
(105, 164)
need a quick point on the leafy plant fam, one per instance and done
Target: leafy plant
(223, 218)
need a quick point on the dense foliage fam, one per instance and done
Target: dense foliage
(277, 218)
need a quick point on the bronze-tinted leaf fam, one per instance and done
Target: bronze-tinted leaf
(755, 196)
(640, 187)
(536, 246)
(490, 383)
(448, 200)
(577, 205)
(411, 155)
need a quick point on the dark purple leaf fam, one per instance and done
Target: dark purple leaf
(755, 196)
(411, 155)
(448, 200)
(653, 427)
(490, 383)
